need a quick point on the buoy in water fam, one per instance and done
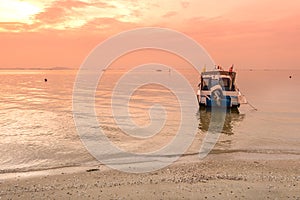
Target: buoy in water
(45, 80)
(290, 76)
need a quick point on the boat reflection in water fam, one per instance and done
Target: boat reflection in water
(232, 119)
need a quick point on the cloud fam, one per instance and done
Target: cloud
(69, 13)
(69, 4)
(109, 25)
(55, 13)
(17, 26)
(79, 14)
(59, 11)
(51, 15)
(170, 14)
(185, 4)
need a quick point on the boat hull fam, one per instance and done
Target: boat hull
(226, 101)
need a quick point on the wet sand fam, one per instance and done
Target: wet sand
(204, 179)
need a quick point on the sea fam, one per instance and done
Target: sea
(38, 126)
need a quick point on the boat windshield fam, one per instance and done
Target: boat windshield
(225, 83)
(205, 84)
(214, 82)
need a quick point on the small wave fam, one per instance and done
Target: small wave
(257, 151)
(38, 168)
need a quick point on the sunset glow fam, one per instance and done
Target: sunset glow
(261, 34)
(17, 11)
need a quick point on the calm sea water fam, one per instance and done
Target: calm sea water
(37, 130)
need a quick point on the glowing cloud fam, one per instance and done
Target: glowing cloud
(17, 11)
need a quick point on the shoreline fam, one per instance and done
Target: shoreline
(214, 155)
(211, 178)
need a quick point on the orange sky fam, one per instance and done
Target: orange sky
(250, 34)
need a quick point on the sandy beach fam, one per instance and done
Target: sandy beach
(204, 179)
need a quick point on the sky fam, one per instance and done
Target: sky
(61, 33)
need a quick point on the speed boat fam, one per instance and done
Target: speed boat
(218, 88)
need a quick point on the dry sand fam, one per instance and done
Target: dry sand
(205, 179)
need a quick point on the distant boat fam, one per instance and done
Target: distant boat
(218, 88)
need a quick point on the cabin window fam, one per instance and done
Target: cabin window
(214, 82)
(225, 83)
(205, 84)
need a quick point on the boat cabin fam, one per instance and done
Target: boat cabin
(223, 78)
